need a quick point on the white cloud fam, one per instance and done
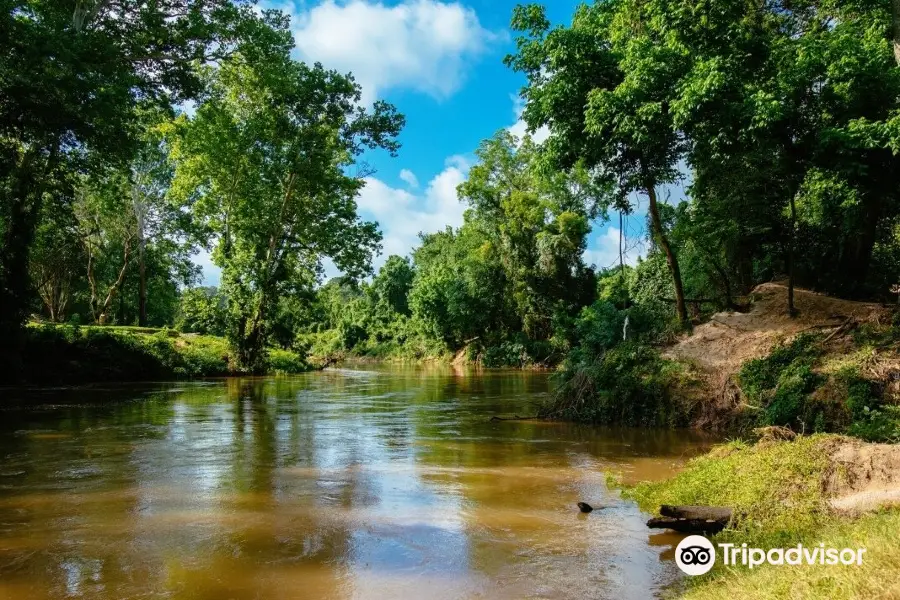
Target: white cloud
(425, 45)
(603, 251)
(410, 178)
(520, 128)
(401, 215)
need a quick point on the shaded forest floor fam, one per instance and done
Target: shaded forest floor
(729, 339)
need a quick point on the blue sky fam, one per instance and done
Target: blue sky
(441, 64)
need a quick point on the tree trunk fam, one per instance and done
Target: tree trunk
(621, 255)
(103, 311)
(895, 13)
(142, 285)
(790, 258)
(671, 259)
(726, 281)
(21, 206)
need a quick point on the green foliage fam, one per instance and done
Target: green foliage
(877, 425)
(390, 287)
(72, 354)
(271, 180)
(72, 81)
(629, 384)
(790, 388)
(760, 376)
(66, 354)
(202, 310)
(285, 362)
(776, 486)
(781, 382)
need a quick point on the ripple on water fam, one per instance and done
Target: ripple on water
(349, 483)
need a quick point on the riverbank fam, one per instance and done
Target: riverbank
(816, 489)
(66, 354)
(835, 367)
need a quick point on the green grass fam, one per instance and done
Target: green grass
(875, 578)
(63, 354)
(777, 488)
(775, 485)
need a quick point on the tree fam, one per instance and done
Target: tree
(458, 293)
(70, 82)
(802, 102)
(202, 310)
(265, 162)
(603, 87)
(108, 230)
(56, 256)
(155, 217)
(536, 221)
(392, 284)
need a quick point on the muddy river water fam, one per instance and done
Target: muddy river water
(370, 482)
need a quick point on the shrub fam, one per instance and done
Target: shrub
(286, 362)
(202, 310)
(627, 385)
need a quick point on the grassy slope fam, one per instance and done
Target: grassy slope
(778, 486)
(66, 354)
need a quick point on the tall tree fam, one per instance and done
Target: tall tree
(150, 174)
(266, 161)
(603, 86)
(536, 220)
(108, 232)
(69, 81)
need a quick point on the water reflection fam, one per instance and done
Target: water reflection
(352, 483)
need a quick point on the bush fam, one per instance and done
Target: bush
(781, 384)
(202, 310)
(66, 354)
(787, 386)
(285, 362)
(759, 377)
(628, 385)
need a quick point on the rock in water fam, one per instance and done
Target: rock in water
(585, 507)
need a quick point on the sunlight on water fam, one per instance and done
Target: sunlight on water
(351, 483)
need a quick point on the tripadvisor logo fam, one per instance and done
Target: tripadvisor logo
(695, 555)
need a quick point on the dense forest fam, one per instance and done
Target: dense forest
(136, 134)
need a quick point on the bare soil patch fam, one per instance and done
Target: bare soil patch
(862, 476)
(717, 349)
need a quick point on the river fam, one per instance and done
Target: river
(372, 482)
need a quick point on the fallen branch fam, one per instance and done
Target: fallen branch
(837, 331)
(728, 325)
(514, 418)
(704, 526)
(692, 519)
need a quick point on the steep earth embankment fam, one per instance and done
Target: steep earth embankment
(718, 348)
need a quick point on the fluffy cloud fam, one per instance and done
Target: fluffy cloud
(402, 214)
(410, 178)
(424, 45)
(603, 251)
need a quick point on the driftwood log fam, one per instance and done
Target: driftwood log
(692, 519)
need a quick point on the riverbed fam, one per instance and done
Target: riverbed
(366, 482)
